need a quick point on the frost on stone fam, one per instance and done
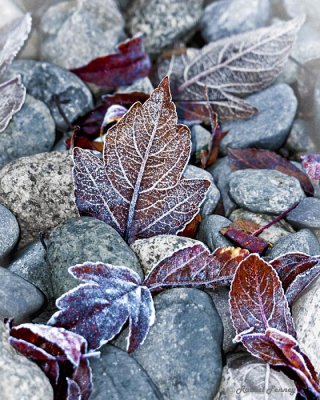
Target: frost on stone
(98, 309)
(195, 266)
(138, 188)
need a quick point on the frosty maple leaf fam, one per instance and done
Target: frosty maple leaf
(138, 187)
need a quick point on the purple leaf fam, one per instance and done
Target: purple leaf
(111, 296)
(195, 266)
(12, 94)
(138, 189)
(73, 390)
(311, 163)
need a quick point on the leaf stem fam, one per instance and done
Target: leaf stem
(57, 101)
(274, 221)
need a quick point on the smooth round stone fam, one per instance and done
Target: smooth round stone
(20, 378)
(306, 215)
(152, 250)
(39, 192)
(30, 263)
(278, 104)
(310, 8)
(19, 299)
(83, 239)
(182, 352)
(299, 139)
(46, 81)
(163, 22)
(75, 32)
(264, 191)
(221, 172)
(304, 241)
(116, 375)
(200, 138)
(9, 232)
(232, 17)
(274, 233)
(31, 131)
(213, 194)
(209, 231)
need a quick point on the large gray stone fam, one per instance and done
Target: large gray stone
(19, 299)
(306, 215)
(152, 250)
(225, 18)
(221, 172)
(46, 81)
(75, 32)
(20, 378)
(9, 232)
(213, 194)
(30, 263)
(209, 231)
(274, 233)
(304, 241)
(85, 239)
(277, 104)
(182, 352)
(31, 131)
(265, 191)
(174, 19)
(39, 192)
(299, 139)
(118, 376)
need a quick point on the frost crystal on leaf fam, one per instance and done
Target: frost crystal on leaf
(138, 188)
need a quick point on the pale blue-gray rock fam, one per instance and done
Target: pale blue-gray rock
(213, 194)
(30, 263)
(316, 111)
(19, 299)
(9, 232)
(182, 352)
(117, 376)
(299, 139)
(304, 241)
(20, 378)
(141, 85)
(306, 214)
(75, 32)
(209, 231)
(225, 18)
(200, 138)
(46, 82)
(31, 131)
(85, 239)
(163, 22)
(264, 190)
(221, 172)
(269, 128)
(309, 8)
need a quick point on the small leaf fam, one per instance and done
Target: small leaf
(296, 271)
(265, 159)
(60, 354)
(138, 189)
(311, 163)
(195, 266)
(12, 37)
(130, 63)
(109, 297)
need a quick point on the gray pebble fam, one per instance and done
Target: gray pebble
(225, 18)
(310, 8)
(44, 81)
(316, 111)
(306, 215)
(31, 131)
(213, 194)
(83, 239)
(141, 85)
(265, 191)
(200, 138)
(19, 299)
(269, 128)
(299, 139)
(75, 32)
(209, 231)
(116, 376)
(30, 263)
(182, 352)
(9, 232)
(304, 241)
